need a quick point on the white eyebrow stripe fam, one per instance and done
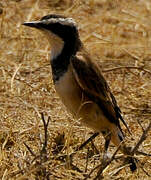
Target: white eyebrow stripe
(64, 21)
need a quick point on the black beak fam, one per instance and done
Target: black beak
(35, 24)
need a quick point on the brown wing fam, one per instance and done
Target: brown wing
(90, 79)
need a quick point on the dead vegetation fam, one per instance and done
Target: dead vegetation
(118, 34)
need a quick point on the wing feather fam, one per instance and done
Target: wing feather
(92, 82)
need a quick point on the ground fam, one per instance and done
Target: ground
(118, 36)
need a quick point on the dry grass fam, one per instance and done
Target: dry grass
(117, 33)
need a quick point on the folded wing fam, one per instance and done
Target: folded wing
(92, 82)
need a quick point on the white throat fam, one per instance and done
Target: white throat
(56, 48)
(56, 43)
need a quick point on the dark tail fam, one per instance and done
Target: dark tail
(118, 140)
(127, 151)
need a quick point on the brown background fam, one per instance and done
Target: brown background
(116, 33)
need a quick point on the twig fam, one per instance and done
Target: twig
(118, 169)
(131, 54)
(13, 77)
(42, 156)
(45, 131)
(43, 151)
(70, 157)
(19, 79)
(142, 153)
(87, 160)
(140, 125)
(36, 157)
(136, 152)
(142, 138)
(80, 147)
(123, 79)
(145, 172)
(104, 165)
(127, 67)
(29, 149)
(130, 71)
(87, 141)
(141, 166)
(87, 176)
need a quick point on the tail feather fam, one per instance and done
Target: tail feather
(117, 137)
(126, 151)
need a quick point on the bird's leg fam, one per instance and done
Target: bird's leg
(105, 161)
(107, 136)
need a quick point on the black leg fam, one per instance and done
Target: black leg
(107, 136)
(107, 142)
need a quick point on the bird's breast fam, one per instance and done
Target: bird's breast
(69, 91)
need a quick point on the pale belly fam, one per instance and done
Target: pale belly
(69, 92)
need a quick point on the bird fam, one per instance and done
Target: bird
(79, 82)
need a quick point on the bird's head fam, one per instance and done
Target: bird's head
(56, 24)
(59, 29)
